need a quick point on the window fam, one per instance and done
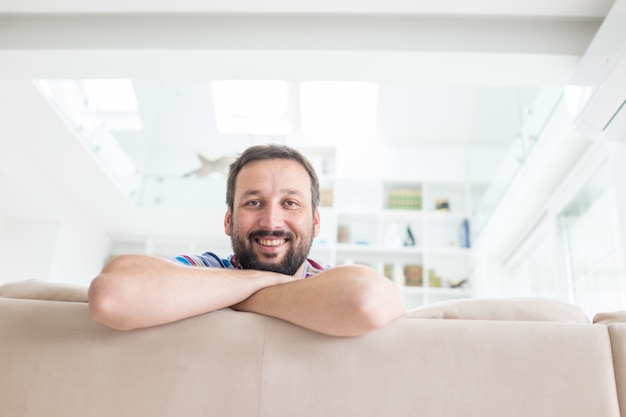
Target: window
(575, 253)
(252, 106)
(537, 269)
(593, 245)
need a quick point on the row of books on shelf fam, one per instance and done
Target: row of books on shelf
(398, 199)
(405, 199)
(413, 275)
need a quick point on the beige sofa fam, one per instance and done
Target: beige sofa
(511, 357)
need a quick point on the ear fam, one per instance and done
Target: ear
(316, 223)
(227, 219)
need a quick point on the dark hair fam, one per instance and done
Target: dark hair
(264, 152)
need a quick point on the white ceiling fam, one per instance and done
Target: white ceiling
(574, 8)
(451, 63)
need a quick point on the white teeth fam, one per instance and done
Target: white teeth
(272, 242)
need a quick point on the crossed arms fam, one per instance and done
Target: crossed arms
(135, 291)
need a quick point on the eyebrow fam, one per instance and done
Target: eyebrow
(287, 191)
(291, 191)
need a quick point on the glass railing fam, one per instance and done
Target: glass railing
(533, 120)
(90, 127)
(183, 192)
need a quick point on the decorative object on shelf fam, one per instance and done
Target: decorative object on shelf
(442, 205)
(326, 197)
(413, 275)
(456, 284)
(343, 234)
(409, 240)
(464, 234)
(405, 199)
(388, 270)
(434, 281)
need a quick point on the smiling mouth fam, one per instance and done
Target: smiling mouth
(271, 242)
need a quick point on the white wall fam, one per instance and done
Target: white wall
(50, 250)
(45, 233)
(79, 253)
(27, 248)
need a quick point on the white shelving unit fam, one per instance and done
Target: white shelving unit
(360, 227)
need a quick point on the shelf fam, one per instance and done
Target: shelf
(449, 290)
(391, 250)
(377, 249)
(437, 291)
(402, 214)
(448, 251)
(446, 215)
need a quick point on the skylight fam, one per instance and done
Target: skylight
(110, 95)
(252, 107)
(115, 102)
(331, 109)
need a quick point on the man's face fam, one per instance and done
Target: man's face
(272, 225)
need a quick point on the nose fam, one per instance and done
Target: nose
(271, 217)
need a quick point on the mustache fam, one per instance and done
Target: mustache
(255, 234)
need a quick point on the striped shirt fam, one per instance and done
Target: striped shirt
(211, 260)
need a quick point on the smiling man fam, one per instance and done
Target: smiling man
(272, 219)
(276, 217)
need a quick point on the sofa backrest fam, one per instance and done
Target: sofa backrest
(425, 367)
(56, 362)
(616, 325)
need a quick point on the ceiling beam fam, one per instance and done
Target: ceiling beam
(570, 8)
(302, 32)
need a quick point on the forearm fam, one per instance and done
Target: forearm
(342, 301)
(136, 291)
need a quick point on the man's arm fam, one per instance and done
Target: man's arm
(135, 291)
(341, 301)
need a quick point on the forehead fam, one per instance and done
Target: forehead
(273, 174)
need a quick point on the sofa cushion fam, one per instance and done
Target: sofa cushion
(509, 309)
(608, 318)
(34, 289)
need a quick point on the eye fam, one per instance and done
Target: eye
(291, 203)
(253, 203)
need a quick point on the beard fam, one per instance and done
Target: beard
(248, 259)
